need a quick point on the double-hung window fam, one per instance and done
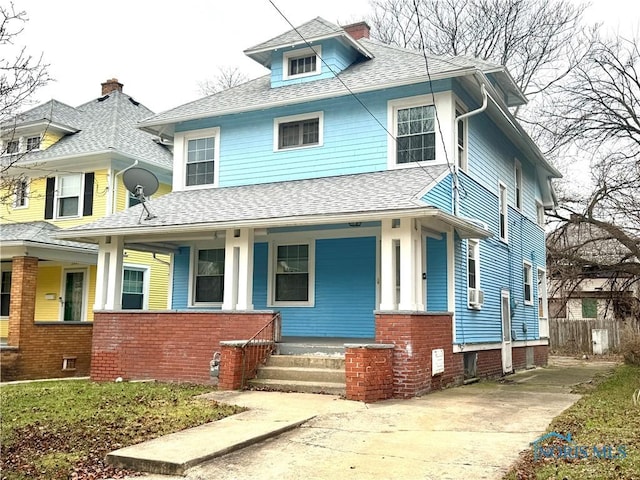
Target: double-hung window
(518, 175)
(527, 271)
(302, 62)
(12, 146)
(21, 194)
(68, 191)
(473, 264)
(209, 276)
(200, 161)
(33, 143)
(133, 288)
(5, 293)
(461, 139)
(298, 131)
(293, 274)
(503, 212)
(540, 214)
(415, 134)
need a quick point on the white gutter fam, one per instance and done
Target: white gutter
(456, 166)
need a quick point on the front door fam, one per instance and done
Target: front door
(505, 302)
(73, 298)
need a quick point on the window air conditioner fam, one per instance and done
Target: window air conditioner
(476, 298)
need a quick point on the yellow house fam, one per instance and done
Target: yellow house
(63, 166)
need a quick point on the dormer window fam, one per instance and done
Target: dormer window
(302, 62)
(33, 143)
(13, 146)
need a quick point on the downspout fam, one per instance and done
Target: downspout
(115, 186)
(456, 166)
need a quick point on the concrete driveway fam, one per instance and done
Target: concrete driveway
(474, 431)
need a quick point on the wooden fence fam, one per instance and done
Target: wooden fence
(575, 336)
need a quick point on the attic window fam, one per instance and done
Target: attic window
(33, 143)
(302, 62)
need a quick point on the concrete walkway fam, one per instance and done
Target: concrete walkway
(475, 431)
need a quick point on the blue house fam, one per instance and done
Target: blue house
(353, 180)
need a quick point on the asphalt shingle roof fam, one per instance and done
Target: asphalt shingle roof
(318, 27)
(51, 111)
(37, 232)
(348, 194)
(108, 123)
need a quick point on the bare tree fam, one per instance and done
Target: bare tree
(227, 77)
(20, 76)
(598, 112)
(539, 41)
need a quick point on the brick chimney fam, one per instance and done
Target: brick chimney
(111, 85)
(357, 30)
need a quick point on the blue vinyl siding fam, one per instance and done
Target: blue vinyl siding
(501, 268)
(437, 275)
(440, 195)
(180, 288)
(345, 284)
(354, 141)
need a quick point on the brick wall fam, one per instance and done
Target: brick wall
(37, 349)
(490, 361)
(414, 336)
(167, 346)
(369, 372)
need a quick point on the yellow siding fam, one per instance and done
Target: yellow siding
(49, 279)
(35, 209)
(48, 139)
(159, 276)
(91, 298)
(123, 194)
(4, 327)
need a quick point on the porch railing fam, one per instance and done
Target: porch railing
(258, 349)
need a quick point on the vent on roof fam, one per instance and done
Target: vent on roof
(134, 102)
(102, 99)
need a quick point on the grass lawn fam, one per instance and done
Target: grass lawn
(605, 417)
(64, 429)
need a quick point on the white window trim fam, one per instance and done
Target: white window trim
(298, 118)
(181, 143)
(463, 163)
(27, 191)
(145, 279)
(298, 53)
(5, 146)
(542, 273)
(503, 208)
(445, 111)
(539, 210)
(193, 268)
(526, 263)
(26, 140)
(477, 272)
(518, 179)
(271, 282)
(57, 197)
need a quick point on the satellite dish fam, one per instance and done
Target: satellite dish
(141, 183)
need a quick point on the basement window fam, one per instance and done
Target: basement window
(69, 363)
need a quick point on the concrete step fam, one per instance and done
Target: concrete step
(332, 388)
(308, 361)
(304, 374)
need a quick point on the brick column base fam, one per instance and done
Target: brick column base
(230, 377)
(369, 372)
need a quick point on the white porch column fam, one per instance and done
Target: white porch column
(114, 246)
(102, 276)
(387, 267)
(238, 269)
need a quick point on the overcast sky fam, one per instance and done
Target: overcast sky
(161, 49)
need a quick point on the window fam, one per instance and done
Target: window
(461, 139)
(68, 195)
(5, 294)
(21, 193)
(528, 283)
(292, 273)
(518, 172)
(200, 161)
(589, 308)
(540, 214)
(33, 143)
(298, 131)
(302, 62)
(543, 310)
(415, 134)
(209, 278)
(502, 206)
(13, 146)
(473, 264)
(133, 289)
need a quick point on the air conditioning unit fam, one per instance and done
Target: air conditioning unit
(476, 298)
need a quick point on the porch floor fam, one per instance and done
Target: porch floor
(333, 346)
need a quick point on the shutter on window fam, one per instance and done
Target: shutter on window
(48, 202)
(87, 206)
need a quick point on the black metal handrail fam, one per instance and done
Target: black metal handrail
(252, 355)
